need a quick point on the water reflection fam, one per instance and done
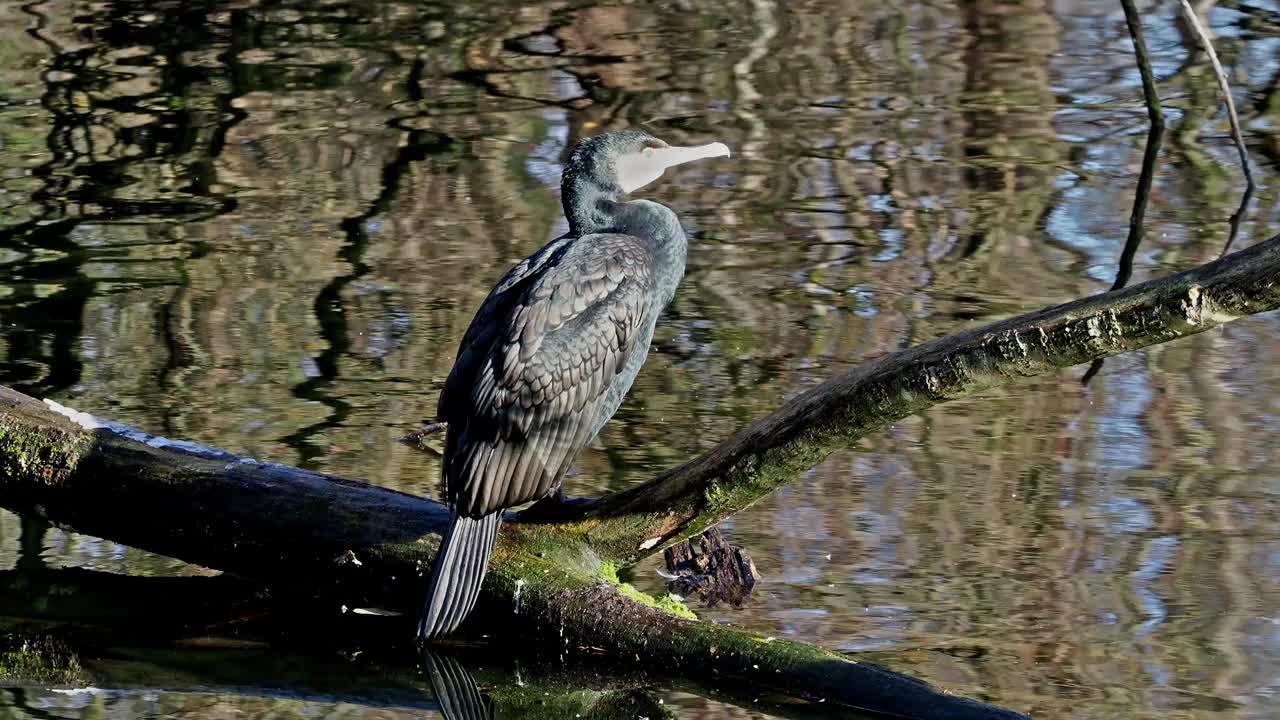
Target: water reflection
(264, 226)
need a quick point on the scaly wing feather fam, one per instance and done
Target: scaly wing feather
(535, 368)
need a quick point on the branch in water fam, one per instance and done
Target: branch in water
(628, 525)
(1155, 132)
(418, 438)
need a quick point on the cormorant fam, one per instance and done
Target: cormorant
(551, 353)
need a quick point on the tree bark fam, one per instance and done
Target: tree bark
(364, 545)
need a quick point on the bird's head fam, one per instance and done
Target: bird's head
(627, 160)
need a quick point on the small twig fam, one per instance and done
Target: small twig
(1194, 21)
(433, 428)
(418, 438)
(1155, 133)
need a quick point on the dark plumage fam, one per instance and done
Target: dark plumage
(552, 352)
(456, 691)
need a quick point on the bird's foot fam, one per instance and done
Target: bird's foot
(555, 507)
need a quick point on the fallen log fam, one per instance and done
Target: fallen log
(360, 545)
(75, 660)
(111, 657)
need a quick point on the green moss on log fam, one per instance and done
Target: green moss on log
(40, 659)
(616, 537)
(536, 702)
(667, 603)
(36, 452)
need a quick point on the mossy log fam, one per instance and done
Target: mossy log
(460, 686)
(365, 545)
(71, 660)
(359, 545)
(73, 628)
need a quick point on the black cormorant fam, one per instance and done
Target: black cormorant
(552, 351)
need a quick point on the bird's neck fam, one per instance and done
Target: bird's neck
(591, 209)
(594, 210)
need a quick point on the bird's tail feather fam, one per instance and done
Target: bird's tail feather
(455, 690)
(457, 573)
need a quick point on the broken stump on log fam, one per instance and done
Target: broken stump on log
(713, 570)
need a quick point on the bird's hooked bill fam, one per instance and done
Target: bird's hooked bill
(672, 156)
(637, 169)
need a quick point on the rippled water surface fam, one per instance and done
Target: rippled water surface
(264, 226)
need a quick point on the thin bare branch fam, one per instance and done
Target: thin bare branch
(1206, 41)
(1155, 134)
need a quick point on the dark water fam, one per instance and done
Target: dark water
(264, 225)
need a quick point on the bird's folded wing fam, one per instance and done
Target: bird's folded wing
(528, 390)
